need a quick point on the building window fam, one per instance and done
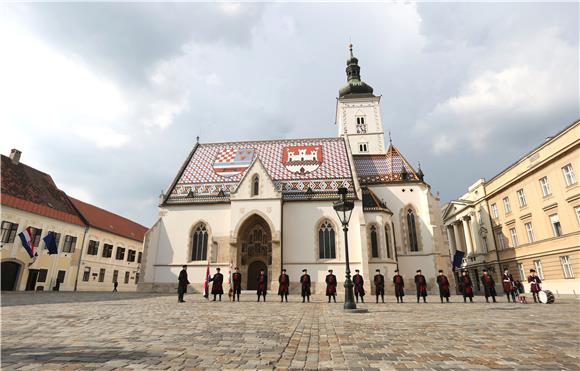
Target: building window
(115, 275)
(102, 275)
(506, 205)
(255, 185)
(577, 209)
(363, 147)
(107, 250)
(494, 212)
(545, 186)
(136, 278)
(556, 226)
(539, 271)
(36, 233)
(131, 255)
(485, 246)
(514, 237)
(388, 242)
(500, 240)
(521, 271)
(361, 127)
(326, 241)
(413, 242)
(9, 232)
(69, 244)
(569, 175)
(42, 275)
(139, 257)
(93, 248)
(530, 232)
(60, 276)
(522, 198)
(120, 255)
(374, 242)
(567, 266)
(126, 277)
(87, 274)
(199, 243)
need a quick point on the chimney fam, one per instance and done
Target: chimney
(15, 156)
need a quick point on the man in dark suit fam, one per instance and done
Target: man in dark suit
(217, 287)
(262, 284)
(305, 284)
(237, 278)
(379, 281)
(359, 283)
(331, 286)
(182, 286)
(284, 285)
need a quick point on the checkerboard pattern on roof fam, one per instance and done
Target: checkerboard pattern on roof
(382, 168)
(333, 172)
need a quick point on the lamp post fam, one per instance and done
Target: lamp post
(343, 209)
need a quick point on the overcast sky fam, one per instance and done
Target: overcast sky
(108, 98)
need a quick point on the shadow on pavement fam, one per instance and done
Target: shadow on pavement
(36, 298)
(71, 355)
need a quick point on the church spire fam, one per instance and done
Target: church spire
(355, 86)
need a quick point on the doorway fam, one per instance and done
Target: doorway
(32, 277)
(10, 271)
(253, 273)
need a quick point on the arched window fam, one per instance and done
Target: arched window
(199, 243)
(388, 242)
(413, 243)
(326, 241)
(255, 185)
(374, 242)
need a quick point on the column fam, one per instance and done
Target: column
(467, 232)
(474, 225)
(458, 244)
(451, 238)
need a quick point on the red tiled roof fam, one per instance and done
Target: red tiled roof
(109, 222)
(294, 165)
(387, 168)
(28, 189)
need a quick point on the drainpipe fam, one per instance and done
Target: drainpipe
(395, 243)
(81, 257)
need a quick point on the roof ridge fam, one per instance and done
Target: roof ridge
(105, 210)
(272, 140)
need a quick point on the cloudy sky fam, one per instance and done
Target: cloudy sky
(108, 98)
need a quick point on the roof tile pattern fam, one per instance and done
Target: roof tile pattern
(333, 172)
(387, 168)
(28, 189)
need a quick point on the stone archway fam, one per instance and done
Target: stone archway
(10, 273)
(253, 272)
(254, 249)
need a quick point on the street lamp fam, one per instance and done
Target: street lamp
(343, 209)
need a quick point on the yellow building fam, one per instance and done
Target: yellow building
(30, 198)
(534, 213)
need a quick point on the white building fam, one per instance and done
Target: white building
(268, 204)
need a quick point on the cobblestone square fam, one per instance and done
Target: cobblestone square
(104, 331)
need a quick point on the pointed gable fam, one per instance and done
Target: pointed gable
(384, 168)
(293, 165)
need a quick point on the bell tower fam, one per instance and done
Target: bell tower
(358, 114)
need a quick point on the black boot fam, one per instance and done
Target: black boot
(362, 299)
(220, 297)
(214, 297)
(334, 298)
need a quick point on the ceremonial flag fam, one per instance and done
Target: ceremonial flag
(206, 283)
(50, 242)
(27, 241)
(458, 259)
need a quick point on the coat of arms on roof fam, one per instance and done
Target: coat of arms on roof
(233, 161)
(302, 159)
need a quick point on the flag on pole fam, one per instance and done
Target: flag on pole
(50, 242)
(27, 241)
(230, 281)
(206, 283)
(458, 259)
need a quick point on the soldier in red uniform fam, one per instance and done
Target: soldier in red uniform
(331, 286)
(262, 284)
(508, 285)
(305, 285)
(379, 281)
(467, 286)
(443, 283)
(217, 286)
(399, 283)
(488, 286)
(284, 281)
(534, 282)
(421, 284)
(359, 289)
(237, 281)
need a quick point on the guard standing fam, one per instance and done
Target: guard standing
(508, 285)
(421, 284)
(399, 283)
(379, 281)
(443, 283)
(467, 287)
(237, 282)
(262, 284)
(534, 282)
(331, 286)
(488, 286)
(305, 284)
(217, 286)
(182, 286)
(284, 281)
(359, 289)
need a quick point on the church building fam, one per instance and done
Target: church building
(267, 204)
